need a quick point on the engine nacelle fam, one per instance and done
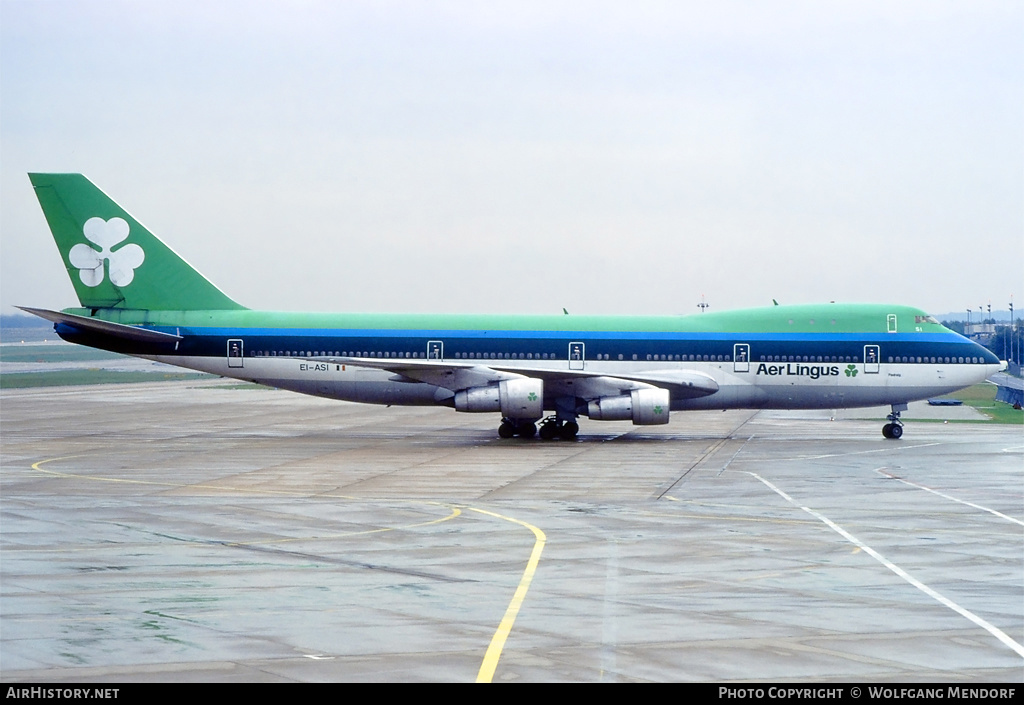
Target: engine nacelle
(645, 407)
(521, 399)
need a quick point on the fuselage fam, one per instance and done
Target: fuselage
(781, 357)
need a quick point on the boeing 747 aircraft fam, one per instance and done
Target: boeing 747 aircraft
(140, 298)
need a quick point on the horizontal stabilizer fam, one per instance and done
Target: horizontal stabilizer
(116, 330)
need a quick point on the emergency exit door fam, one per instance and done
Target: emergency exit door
(235, 353)
(741, 357)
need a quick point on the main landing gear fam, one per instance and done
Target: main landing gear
(513, 427)
(553, 427)
(894, 429)
(550, 428)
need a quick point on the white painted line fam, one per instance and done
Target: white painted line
(991, 629)
(946, 496)
(885, 449)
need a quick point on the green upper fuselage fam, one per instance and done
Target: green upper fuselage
(815, 319)
(836, 332)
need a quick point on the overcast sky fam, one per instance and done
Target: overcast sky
(520, 157)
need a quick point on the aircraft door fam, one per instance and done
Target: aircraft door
(871, 359)
(435, 350)
(577, 356)
(741, 357)
(235, 353)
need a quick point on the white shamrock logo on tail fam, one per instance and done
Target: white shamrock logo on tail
(106, 234)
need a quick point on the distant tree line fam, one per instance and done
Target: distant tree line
(1001, 340)
(20, 320)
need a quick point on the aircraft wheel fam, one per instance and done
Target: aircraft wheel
(887, 430)
(506, 430)
(548, 431)
(896, 431)
(527, 430)
(569, 430)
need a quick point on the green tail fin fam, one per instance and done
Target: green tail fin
(113, 261)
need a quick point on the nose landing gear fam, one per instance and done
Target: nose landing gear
(894, 429)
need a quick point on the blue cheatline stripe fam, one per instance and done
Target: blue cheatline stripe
(739, 337)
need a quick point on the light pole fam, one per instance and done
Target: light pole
(1012, 336)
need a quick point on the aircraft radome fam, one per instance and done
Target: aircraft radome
(140, 298)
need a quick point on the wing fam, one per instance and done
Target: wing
(457, 376)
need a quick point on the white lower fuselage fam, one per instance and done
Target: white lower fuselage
(763, 385)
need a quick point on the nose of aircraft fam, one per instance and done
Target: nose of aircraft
(987, 355)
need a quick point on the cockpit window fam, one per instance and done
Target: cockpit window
(925, 319)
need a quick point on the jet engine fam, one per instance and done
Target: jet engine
(645, 407)
(514, 398)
